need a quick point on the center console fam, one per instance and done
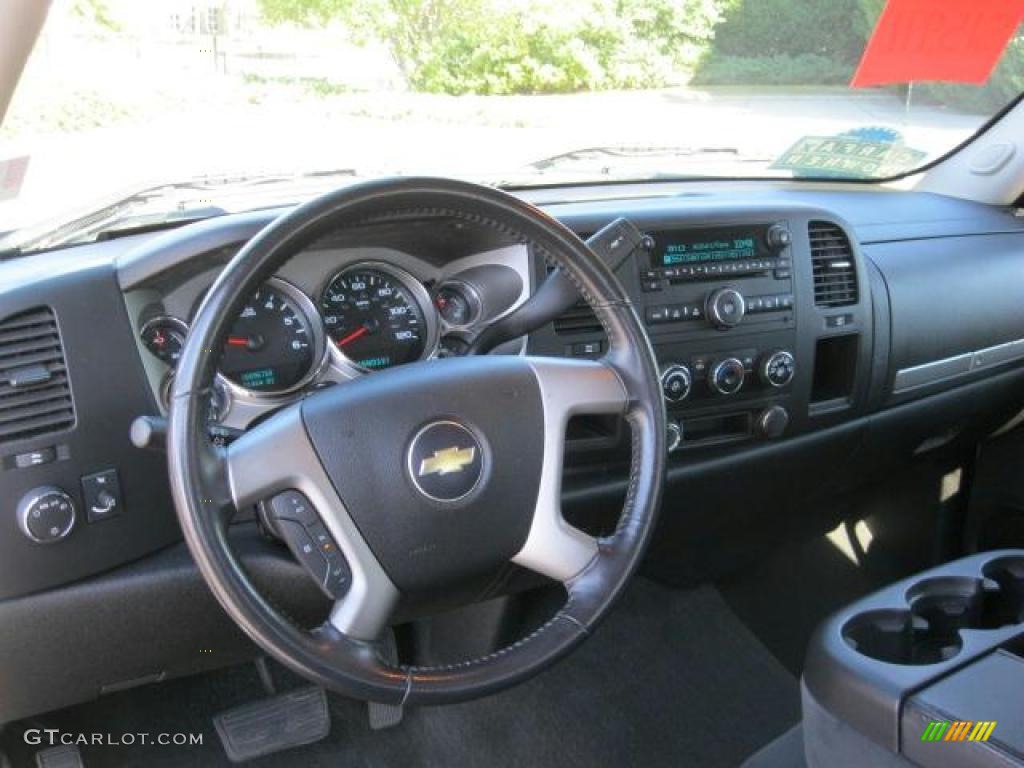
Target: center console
(762, 323)
(929, 671)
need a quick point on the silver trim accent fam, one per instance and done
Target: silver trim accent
(277, 456)
(414, 474)
(568, 387)
(25, 506)
(949, 368)
(411, 284)
(319, 337)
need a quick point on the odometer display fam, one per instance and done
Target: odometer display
(271, 348)
(374, 319)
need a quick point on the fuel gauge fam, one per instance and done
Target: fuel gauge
(164, 337)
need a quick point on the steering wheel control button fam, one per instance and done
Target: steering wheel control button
(445, 461)
(46, 514)
(726, 307)
(675, 383)
(102, 495)
(292, 505)
(727, 376)
(778, 368)
(339, 576)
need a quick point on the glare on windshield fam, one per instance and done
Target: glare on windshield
(120, 95)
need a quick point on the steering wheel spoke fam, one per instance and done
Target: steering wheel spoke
(277, 458)
(553, 547)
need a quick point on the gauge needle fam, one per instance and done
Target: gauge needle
(358, 332)
(238, 341)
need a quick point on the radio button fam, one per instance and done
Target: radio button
(656, 315)
(650, 286)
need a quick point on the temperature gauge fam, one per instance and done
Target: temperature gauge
(164, 337)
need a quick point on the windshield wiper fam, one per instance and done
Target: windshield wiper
(626, 152)
(172, 204)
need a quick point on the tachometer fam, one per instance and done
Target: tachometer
(273, 346)
(375, 316)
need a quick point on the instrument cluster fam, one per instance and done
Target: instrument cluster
(368, 316)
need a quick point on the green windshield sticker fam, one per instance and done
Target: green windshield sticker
(848, 157)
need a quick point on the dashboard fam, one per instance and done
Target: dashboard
(810, 338)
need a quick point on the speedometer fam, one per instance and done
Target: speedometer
(273, 346)
(375, 316)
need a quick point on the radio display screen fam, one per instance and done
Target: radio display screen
(709, 245)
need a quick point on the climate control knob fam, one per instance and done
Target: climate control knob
(676, 382)
(726, 377)
(46, 514)
(725, 307)
(778, 368)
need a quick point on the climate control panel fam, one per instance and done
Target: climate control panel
(723, 375)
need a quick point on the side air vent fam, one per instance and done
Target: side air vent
(835, 278)
(35, 396)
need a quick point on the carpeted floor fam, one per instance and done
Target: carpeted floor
(672, 678)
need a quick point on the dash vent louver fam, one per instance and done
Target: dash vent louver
(35, 394)
(835, 276)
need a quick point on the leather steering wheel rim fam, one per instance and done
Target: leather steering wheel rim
(209, 482)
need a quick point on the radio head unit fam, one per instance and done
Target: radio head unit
(742, 247)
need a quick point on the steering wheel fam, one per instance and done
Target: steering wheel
(424, 475)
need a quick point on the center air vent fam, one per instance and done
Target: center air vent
(579, 318)
(35, 396)
(835, 278)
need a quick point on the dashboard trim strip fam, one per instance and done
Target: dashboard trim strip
(958, 365)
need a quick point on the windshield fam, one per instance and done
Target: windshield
(134, 113)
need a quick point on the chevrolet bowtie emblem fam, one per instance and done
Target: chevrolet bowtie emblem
(447, 460)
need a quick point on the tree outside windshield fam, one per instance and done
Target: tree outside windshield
(120, 95)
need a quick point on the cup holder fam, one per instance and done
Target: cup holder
(929, 632)
(1005, 605)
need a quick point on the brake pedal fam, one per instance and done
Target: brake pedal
(386, 715)
(64, 756)
(290, 720)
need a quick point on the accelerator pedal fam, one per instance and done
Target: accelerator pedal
(289, 720)
(386, 715)
(64, 756)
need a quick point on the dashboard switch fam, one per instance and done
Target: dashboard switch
(46, 514)
(772, 422)
(102, 495)
(35, 458)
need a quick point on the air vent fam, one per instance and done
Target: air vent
(35, 396)
(579, 318)
(835, 278)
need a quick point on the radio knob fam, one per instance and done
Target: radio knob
(778, 237)
(727, 376)
(726, 307)
(778, 368)
(675, 383)
(46, 514)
